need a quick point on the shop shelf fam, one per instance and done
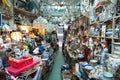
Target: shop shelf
(95, 36)
(24, 12)
(117, 52)
(6, 17)
(23, 1)
(116, 38)
(93, 22)
(108, 37)
(103, 37)
(109, 19)
(116, 43)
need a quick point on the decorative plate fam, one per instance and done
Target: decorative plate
(108, 74)
(93, 61)
(88, 67)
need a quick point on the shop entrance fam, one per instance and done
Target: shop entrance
(60, 35)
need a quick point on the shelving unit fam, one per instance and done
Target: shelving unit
(25, 13)
(103, 37)
(116, 46)
(113, 39)
(6, 17)
(113, 33)
(116, 43)
(108, 37)
(109, 19)
(22, 1)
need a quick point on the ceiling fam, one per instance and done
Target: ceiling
(60, 2)
(58, 10)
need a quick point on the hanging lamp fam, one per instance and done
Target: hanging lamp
(17, 36)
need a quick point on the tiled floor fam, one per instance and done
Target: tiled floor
(59, 61)
(60, 36)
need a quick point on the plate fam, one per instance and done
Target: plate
(80, 56)
(108, 74)
(88, 67)
(97, 67)
(93, 61)
(85, 63)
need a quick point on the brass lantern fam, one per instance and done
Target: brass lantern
(17, 36)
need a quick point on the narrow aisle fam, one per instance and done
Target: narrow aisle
(59, 61)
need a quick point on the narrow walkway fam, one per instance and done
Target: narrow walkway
(55, 74)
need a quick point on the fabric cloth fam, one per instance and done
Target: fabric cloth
(87, 53)
(41, 48)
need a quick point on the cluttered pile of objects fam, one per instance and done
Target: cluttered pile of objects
(27, 55)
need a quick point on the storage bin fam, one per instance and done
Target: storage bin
(21, 62)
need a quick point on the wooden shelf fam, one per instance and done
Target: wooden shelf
(6, 17)
(116, 38)
(92, 23)
(108, 37)
(95, 36)
(22, 1)
(116, 43)
(103, 37)
(25, 13)
(117, 52)
(105, 20)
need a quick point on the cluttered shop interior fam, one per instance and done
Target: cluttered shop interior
(59, 39)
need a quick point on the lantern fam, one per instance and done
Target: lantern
(25, 28)
(17, 36)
